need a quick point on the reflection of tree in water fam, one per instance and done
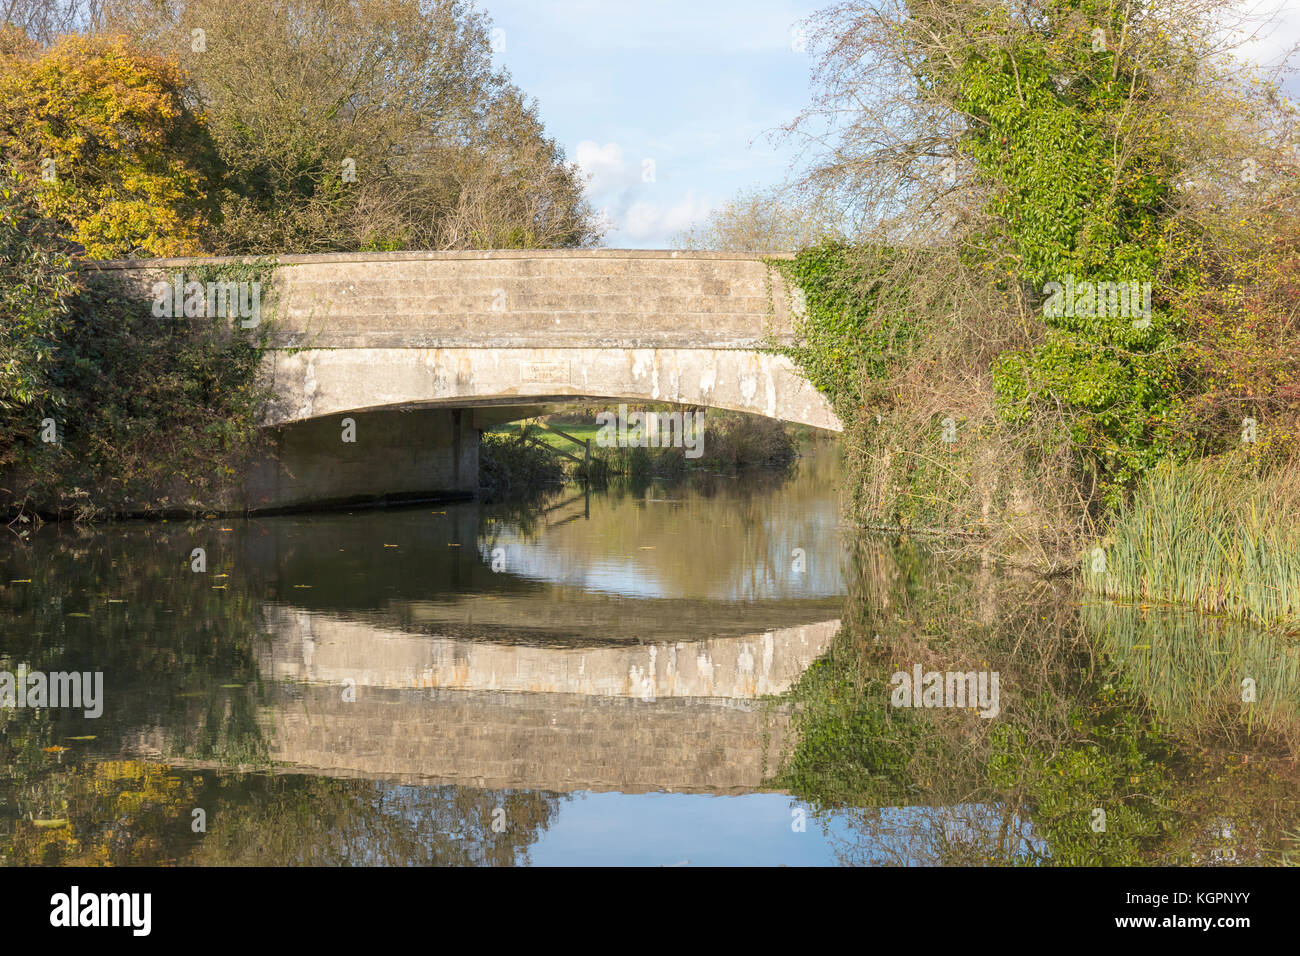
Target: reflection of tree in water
(293, 820)
(59, 812)
(127, 604)
(967, 835)
(1076, 735)
(117, 813)
(221, 726)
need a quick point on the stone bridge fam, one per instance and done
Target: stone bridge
(423, 350)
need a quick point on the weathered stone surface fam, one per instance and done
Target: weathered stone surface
(316, 648)
(313, 383)
(518, 299)
(395, 454)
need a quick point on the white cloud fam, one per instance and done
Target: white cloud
(636, 208)
(604, 164)
(610, 171)
(655, 224)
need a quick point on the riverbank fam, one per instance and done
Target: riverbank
(920, 358)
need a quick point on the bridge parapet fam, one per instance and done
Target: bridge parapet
(588, 298)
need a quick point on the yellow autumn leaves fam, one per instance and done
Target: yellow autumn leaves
(104, 140)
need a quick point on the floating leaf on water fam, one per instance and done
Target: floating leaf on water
(221, 575)
(218, 587)
(452, 544)
(61, 822)
(302, 585)
(86, 737)
(116, 601)
(392, 546)
(77, 614)
(56, 749)
(232, 685)
(21, 581)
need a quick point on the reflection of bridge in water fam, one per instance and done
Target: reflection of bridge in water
(626, 643)
(680, 716)
(313, 648)
(345, 698)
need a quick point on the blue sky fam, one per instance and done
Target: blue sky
(690, 87)
(666, 104)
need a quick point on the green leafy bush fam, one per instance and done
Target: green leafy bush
(146, 412)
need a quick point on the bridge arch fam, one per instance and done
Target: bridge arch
(319, 382)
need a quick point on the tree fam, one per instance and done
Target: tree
(365, 124)
(43, 20)
(105, 138)
(1054, 141)
(35, 289)
(103, 406)
(757, 221)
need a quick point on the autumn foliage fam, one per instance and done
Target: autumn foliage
(113, 151)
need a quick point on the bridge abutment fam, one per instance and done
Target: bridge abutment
(371, 456)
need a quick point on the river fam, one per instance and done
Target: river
(663, 673)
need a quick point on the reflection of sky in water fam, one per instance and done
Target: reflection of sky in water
(778, 546)
(770, 577)
(667, 829)
(537, 561)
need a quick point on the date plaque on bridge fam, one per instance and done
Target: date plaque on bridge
(544, 373)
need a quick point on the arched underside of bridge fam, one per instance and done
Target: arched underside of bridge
(413, 416)
(321, 382)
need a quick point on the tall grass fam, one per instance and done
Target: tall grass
(509, 465)
(1205, 535)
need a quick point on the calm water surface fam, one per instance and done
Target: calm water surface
(663, 674)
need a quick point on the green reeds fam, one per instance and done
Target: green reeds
(1207, 536)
